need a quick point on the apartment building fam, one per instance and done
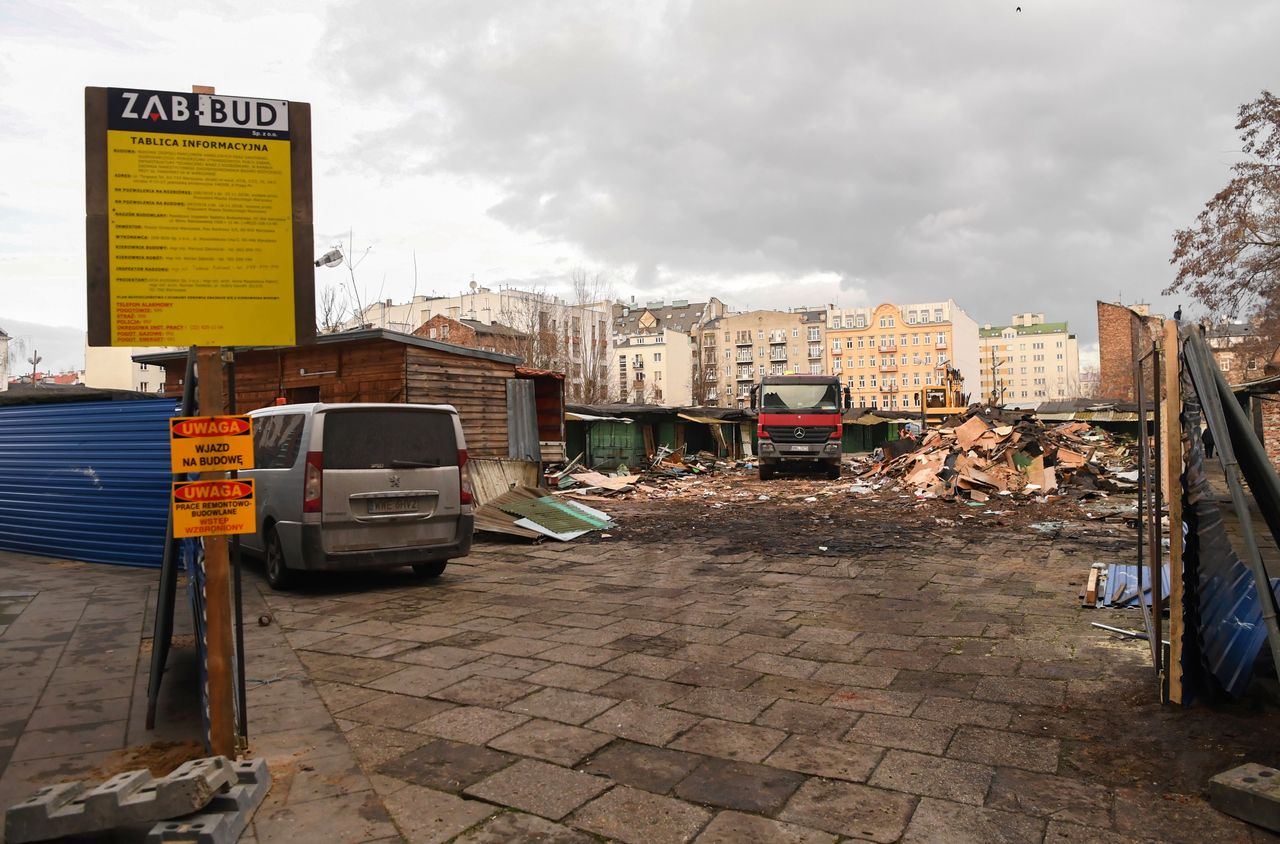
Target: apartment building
(1238, 349)
(654, 355)
(1028, 361)
(113, 367)
(573, 339)
(887, 355)
(737, 349)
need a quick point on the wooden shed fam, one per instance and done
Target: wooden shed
(377, 365)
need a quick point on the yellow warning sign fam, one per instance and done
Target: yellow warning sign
(212, 508)
(200, 220)
(210, 443)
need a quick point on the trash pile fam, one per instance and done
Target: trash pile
(666, 470)
(979, 455)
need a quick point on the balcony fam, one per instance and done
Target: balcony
(941, 343)
(744, 376)
(815, 353)
(888, 367)
(778, 357)
(638, 363)
(742, 340)
(775, 339)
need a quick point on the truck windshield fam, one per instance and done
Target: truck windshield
(800, 397)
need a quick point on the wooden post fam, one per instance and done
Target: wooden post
(1171, 435)
(220, 653)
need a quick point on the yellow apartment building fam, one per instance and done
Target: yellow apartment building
(886, 355)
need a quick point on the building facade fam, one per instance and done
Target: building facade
(654, 357)
(1122, 333)
(557, 336)
(1240, 353)
(113, 367)
(472, 334)
(1028, 361)
(4, 360)
(887, 355)
(738, 348)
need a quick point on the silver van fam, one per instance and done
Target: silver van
(359, 486)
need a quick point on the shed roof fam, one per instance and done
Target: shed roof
(353, 336)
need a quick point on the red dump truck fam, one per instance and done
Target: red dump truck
(799, 423)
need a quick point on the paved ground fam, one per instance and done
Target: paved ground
(916, 681)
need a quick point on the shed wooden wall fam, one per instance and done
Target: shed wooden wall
(376, 371)
(476, 387)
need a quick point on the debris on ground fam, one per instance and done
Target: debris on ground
(1116, 586)
(982, 454)
(533, 514)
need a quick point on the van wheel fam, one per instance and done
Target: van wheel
(833, 472)
(278, 574)
(766, 472)
(434, 569)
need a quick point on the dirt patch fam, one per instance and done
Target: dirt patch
(160, 758)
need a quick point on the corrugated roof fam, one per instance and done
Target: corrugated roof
(353, 336)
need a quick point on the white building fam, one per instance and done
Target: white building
(1029, 361)
(573, 339)
(4, 360)
(654, 368)
(112, 367)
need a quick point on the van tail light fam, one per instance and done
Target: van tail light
(464, 478)
(313, 482)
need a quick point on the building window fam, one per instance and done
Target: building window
(937, 314)
(836, 367)
(1225, 366)
(860, 344)
(657, 357)
(884, 323)
(760, 334)
(873, 380)
(848, 343)
(915, 339)
(815, 333)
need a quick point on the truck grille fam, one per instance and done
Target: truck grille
(787, 433)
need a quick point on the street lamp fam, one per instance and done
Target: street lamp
(332, 258)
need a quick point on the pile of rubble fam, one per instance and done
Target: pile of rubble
(984, 453)
(666, 472)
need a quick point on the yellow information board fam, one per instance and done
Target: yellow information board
(199, 220)
(212, 508)
(210, 443)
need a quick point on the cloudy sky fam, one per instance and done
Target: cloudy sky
(769, 153)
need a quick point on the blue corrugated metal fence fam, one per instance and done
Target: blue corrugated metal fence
(86, 480)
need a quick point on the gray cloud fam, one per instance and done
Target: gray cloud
(1012, 161)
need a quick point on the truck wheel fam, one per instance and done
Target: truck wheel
(833, 472)
(279, 577)
(766, 472)
(433, 569)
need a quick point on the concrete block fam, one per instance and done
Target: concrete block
(1250, 792)
(128, 798)
(226, 816)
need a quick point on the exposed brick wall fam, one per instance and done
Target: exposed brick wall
(447, 331)
(1271, 428)
(1123, 337)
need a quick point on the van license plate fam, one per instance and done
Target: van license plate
(392, 505)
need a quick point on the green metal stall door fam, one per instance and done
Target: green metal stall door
(614, 443)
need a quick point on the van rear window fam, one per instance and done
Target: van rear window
(388, 439)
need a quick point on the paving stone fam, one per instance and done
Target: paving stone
(485, 691)
(642, 722)
(348, 817)
(785, 666)
(727, 704)
(374, 745)
(78, 713)
(440, 656)
(906, 660)
(792, 688)
(835, 760)
(644, 665)
(562, 705)
(883, 701)
(517, 826)
(811, 719)
(540, 788)
(739, 785)
(469, 724)
(643, 690)
(864, 676)
(573, 677)
(721, 676)
(553, 741)
(446, 765)
(76, 739)
(1053, 797)
(392, 710)
(638, 817)
(997, 747)
(743, 742)
(584, 655)
(844, 808)
(906, 733)
(643, 766)
(955, 711)
(828, 635)
(1028, 690)
(996, 666)
(1061, 832)
(941, 820)
(340, 696)
(1175, 818)
(735, 827)
(933, 776)
(416, 680)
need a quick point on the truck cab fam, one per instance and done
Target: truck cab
(798, 424)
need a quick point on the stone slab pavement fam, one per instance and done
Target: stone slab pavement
(689, 692)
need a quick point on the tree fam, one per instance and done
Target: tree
(1230, 259)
